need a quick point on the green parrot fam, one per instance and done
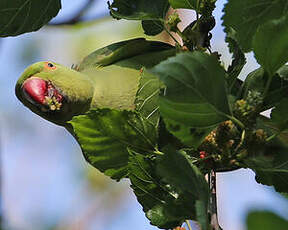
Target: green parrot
(113, 77)
(107, 78)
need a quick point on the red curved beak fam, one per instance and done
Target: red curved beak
(36, 89)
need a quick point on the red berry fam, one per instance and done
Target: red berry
(202, 154)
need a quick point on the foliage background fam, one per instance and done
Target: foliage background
(46, 184)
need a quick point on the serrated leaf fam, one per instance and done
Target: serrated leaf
(104, 136)
(246, 16)
(265, 220)
(190, 99)
(176, 168)
(202, 7)
(271, 165)
(163, 207)
(283, 72)
(270, 44)
(191, 137)
(279, 115)
(147, 96)
(144, 183)
(256, 81)
(190, 4)
(141, 10)
(152, 27)
(22, 16)
(238, 60)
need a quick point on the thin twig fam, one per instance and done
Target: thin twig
(78, 16)
(213, 202)
(171, 35)
(236, 121)
(241, 141)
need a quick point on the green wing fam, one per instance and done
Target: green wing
(120, 76)
(120, 51)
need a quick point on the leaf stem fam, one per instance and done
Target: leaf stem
(241, 141)
(232, 84)
(235, 120)
(272, 137)
(188, 224)
(197, 9)
(171, 35)
(267, 86)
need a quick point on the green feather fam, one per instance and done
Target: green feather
(114, 80)
(107, 78)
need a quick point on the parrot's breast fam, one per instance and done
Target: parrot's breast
(115, 87)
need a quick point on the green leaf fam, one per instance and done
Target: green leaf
(256, 81)
(279, 115)
(265, 220)
(283, 72)
(176, 168)
(104, 136)
(270, 44)
(146, 10)
(190, 100)
(246, 16)
(163, 207)
(239, 59)
(185, 4)
(152, 27)
(189, 136)
(147, 96)
(129, 49)
(270, 165)
(204, 7)
(22, 16)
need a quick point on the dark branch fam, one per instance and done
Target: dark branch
(213, 202)
(78, 16)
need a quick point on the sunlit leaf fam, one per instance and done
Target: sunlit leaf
(104, 136)
(147, 96)
(190, 100)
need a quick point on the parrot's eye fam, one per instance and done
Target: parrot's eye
(49, 65)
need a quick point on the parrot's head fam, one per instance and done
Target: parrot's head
(54, 92)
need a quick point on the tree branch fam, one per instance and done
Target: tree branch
(213, 202)
(78, 16)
